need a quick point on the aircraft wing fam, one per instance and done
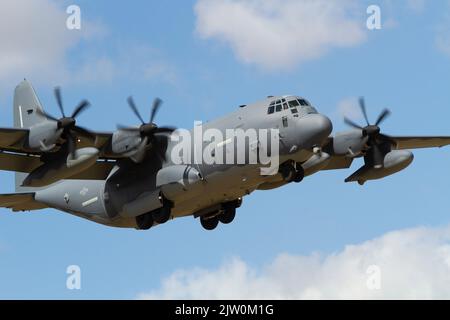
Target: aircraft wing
(10, 137)
(27, 163)
(339, 162)
(20, 202)
(102, 140)
(420, 142)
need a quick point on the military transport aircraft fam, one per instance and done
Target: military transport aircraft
(127, 178)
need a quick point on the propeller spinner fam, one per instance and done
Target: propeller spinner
(67, 125)
(375, 138)
(148, 130)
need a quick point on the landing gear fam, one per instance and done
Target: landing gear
(225, 215)
(299, 174)
(144, 221)
(162, 215)
(228, 215)
(209, 223)
(292, 172)
(287, 171)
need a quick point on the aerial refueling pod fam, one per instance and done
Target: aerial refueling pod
(394, 161)
(62, 168)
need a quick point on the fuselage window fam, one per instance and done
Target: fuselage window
(294, 110)
(278, 107)
(271, 109)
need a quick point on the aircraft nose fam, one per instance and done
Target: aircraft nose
(318, 128)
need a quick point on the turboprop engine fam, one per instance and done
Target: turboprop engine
(61, 167)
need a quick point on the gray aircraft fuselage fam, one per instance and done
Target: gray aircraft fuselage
(136, 188)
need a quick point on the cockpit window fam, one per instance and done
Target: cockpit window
(298, 106)
(303, 102)
(293, 103)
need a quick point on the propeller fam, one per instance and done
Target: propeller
(148, 130)
(375, 138)
(67, 125)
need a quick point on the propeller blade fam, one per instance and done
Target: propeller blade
(59, 100)
(352, 124)
(83, 132)
(128, 129)
(138, 154)
(44, 114)
(71, 144)
(156, 105)
(135, 109)
(80, 108)
(382, 116)
(378, 158)
(362, 105)
(159, 150)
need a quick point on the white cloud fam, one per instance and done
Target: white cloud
(36, 44)
(414, 263)
(280, 34)
(34, 39)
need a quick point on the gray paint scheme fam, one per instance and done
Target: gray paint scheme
(115, 192)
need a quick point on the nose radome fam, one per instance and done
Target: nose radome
(314, 129)
(322, 127)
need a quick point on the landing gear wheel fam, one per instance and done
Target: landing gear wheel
(288, 172)
(228, 215)
(209, 223)
(299, 174)
(162, 215)
(144, 221)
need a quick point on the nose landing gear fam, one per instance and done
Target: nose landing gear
(292, 172)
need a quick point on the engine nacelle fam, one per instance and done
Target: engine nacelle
(394, 161)
(63, 168)
(123, 142)
(43, 136)
(177, 179)
(348, 143)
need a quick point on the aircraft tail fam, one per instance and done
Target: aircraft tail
(25, 105)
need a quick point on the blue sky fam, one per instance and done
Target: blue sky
(203, 70)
